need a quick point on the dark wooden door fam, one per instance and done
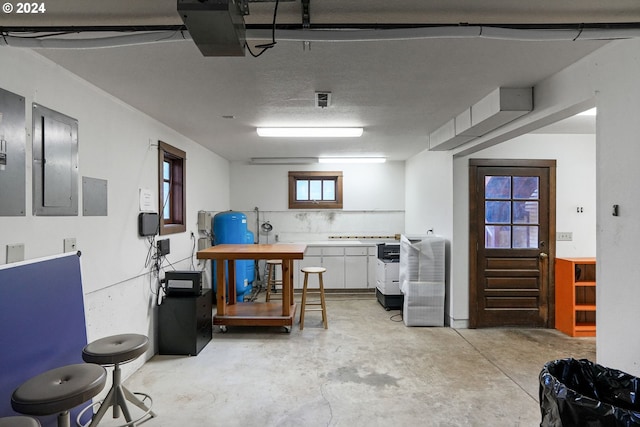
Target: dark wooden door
(512, 243)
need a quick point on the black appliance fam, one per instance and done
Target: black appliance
(185, 324)
(183, 283)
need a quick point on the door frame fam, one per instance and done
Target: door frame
(474, 229)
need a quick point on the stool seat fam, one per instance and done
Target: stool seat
(59, 390)
(313, 270)
(115, 349)
(19, 422)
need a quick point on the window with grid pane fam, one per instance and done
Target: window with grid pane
(315, 190)
(511, 212)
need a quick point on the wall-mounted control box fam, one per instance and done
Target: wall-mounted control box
(148, 223)
(163, 247)
(204, 221)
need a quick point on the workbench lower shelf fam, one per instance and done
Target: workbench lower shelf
(256, 314)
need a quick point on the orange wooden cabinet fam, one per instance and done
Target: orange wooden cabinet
(576, 296)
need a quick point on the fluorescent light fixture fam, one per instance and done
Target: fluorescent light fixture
(352, 160)
(591, 112)
(283, 160)
(306, 132)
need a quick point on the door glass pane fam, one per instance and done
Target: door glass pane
(328, 190)
(525, 187)
(315, 190)
(497, 187)
(302, 189)
(497, 236)
(497, 212)
(525, 236)
(525, 212)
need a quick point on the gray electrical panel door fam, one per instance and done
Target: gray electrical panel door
(55, 163)
(12, 154)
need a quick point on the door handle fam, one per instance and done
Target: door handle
(543, 255)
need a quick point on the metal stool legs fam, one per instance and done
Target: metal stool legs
(305, 291)
(117, 398)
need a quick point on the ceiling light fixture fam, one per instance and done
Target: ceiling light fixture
(283, 160)
(352, 160)
(310, 132)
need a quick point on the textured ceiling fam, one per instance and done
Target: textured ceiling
(398, 90)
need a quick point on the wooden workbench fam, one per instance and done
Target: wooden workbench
(232, 313)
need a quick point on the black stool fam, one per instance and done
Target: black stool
(59, 390)
(19, 422)
(112, 351)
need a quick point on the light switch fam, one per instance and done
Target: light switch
(69, 244)
(15, 252)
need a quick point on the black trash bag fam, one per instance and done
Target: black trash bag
(583, 394)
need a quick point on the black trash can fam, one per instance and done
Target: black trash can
(581, 393)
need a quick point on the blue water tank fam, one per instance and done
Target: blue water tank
(231, 228)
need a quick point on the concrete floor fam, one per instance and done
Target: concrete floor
(367, 369)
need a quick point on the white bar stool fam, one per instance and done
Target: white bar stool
(319, 291)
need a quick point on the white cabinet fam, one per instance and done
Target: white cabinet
(356, 267)
(348, 267)
(372, 257)
(334, 261)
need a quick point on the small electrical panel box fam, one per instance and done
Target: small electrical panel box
(204, 221)
(203, 243)
(163, 247)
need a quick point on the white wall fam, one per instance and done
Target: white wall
(373, 201)
(116, 143)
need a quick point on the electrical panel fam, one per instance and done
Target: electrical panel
(12, 154)
(55, 163)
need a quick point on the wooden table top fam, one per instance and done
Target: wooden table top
(253, 251)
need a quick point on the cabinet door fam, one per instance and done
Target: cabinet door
(356, 268)
(372, 258)
(334, 276)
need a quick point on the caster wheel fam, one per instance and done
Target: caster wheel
(287, 329)
(223, 329)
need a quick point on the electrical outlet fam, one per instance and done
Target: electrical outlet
(69, 244)
(564, 236)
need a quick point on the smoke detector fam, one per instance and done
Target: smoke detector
(323, 99)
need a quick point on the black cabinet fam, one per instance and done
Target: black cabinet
(184, 324)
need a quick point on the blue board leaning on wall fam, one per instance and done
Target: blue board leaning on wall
(42, 322)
